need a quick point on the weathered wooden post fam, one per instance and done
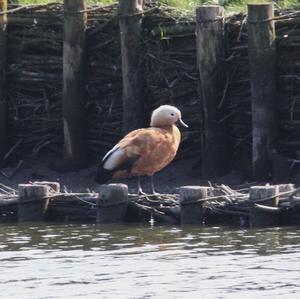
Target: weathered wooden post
(262, 59)
(282, 188)
(3, 108)
(74, 84)
(286, 217)
(191, 211)
(130, 20)
(33, 202)
(53, 186)
(210, 52)
(112, 203)
(264, 210)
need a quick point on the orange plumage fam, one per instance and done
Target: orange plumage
(145, 151)
(156, 148)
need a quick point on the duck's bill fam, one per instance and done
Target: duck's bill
(182, 123)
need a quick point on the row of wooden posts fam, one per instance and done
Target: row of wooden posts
(261, 49)
(210, 47)
(112, 201)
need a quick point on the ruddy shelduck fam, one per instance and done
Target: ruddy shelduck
(144, 151)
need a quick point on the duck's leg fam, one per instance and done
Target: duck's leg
(152, 185)
(140, 190)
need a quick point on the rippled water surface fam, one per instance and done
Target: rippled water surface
(90, 261)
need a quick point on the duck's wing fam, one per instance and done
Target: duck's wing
(125, 149)
(121, 157)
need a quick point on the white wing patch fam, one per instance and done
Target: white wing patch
(109, 152)
(113, 158)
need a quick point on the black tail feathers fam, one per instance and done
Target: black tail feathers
(103, 175)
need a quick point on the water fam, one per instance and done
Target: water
(90, 261)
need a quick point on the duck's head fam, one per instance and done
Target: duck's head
(166, 115)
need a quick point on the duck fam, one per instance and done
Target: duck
(145, 151)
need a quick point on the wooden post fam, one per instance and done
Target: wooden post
(289, 215)
(262, 59)
(286, 188)
(260, 215)
(32, 202)
(191, 212)
(53, 186)
(112, 203)
(74, 84)
(130, 14)
(210, 40)
(3, 108)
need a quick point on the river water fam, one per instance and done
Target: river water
(115, 261)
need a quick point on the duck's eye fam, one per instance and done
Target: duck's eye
(172, 114)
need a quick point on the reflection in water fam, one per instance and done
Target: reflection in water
(114, 261)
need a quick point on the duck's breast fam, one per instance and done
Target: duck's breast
(158, 148)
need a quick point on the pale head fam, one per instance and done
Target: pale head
(166, 115)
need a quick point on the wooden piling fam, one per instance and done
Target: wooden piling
(262, 59)
(33, 202)
(191, 211)
(210, 54)
(283, 188)
(112, 203)
(263, 197)
(74, 84)
(54, 186)
(130, 20)
(3, 108)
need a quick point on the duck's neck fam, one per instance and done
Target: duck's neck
(176, 133)
(168, 127)
(173, 130)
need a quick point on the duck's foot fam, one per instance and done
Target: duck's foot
(155, 193)
(153, 187)
(141, 192)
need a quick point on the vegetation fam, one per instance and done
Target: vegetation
(28, 2)
(231, 5)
